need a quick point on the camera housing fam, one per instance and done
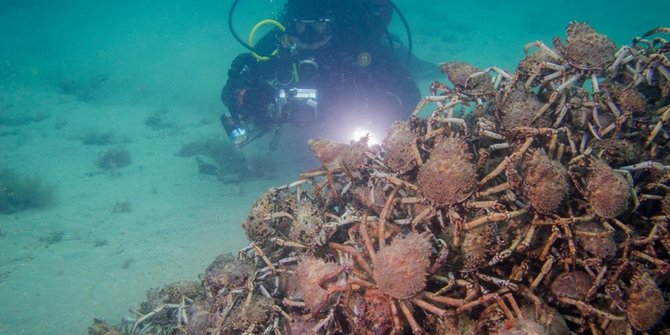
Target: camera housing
(296, 105)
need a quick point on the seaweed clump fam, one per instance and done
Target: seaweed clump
(19, 193)
(113, 159)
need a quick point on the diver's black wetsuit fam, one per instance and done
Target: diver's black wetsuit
(357, 73)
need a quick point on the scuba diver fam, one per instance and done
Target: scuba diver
(329, 63)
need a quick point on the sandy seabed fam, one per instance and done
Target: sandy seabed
(84, 258)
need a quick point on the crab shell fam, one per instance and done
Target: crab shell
(308, 224)
(615, 151)
(646, 306)
(448, 176)
(452, 324)
(518, 110)
(227, 271)
(665, 204)
(546, 182)
(198, 318)
(477, 247)
(258, 312)
(602, 245)
(254, 225)
(585, 48)
(299, 326)
(334, 155)
(365, 198)
(529, 64)
(628, 99)
(550, 322)
(310, 271)
(329, 153)
(458, 74)
(574, 285)
(378, 311)
(608, 191)
(398, 144)
(401, 268)
(521, 326)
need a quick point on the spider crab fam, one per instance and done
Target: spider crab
(586, 54)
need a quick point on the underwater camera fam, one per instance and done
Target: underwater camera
(297, 106)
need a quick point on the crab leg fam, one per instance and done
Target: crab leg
(543, 47)
(357, 255)
(396, 319)
(429, 307)
(546, 267)
(648, 165)
(528, 237)
(594, 131)
(494, 217)
(430, 98)
(550, 241)
(499, 282)
(424, 215)
(323, 322)
(568, 82)
(363, 229)
(559, 152)
(494, 189)
(652, 135)
(482, 300)
(383, 216)
(561, 116)
(620, 54)
(511, 159)
(663, 266)
(444, 300)
(597, 283)
(587, 309)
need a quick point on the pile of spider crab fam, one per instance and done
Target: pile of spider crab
(534, 202)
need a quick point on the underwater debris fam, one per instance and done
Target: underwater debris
(113, 159)
(19, 193)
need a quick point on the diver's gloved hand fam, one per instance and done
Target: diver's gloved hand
(239, 137)
(236, 132)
